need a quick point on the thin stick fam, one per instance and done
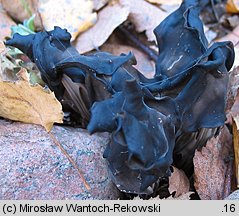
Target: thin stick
(70, 159)
(151, 53)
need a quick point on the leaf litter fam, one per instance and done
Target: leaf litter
(22, 101)
(204, 192)
(19, 99)
(211, 165)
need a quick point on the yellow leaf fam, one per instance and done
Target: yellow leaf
(74, 15)
(232, 6)
(21, 101)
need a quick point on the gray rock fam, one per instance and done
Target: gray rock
(33, 167)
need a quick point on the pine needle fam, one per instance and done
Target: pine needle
(70, 159)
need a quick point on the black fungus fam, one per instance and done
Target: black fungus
(156, 122)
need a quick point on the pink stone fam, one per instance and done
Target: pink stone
(33, 167)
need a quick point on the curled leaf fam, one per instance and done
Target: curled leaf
(100, 32)
(31, 104)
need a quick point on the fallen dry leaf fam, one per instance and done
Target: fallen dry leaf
(232, 6)
(235, 110)
(178, 182)
(235, 132)
(23, 75)
(234, 38)
(13, 7)
(144, 65)
(5, 25)
(211, 167)
(7, 68)
(235, 129)
(74, 15)
(20, 101)
(13, 68)
(234, 82)
(233, 86)
(144, 16)
(109, 18)
(234, 74)
(26, 7)
(168, 2)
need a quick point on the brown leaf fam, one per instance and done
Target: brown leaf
(144, 16)
(20, 101)
(23, 75)
(75, 15)
(211, 167)
(13, 69)
(144, 65)
(7, 68)
(233, 86)
(21, 10)
(236, 146)
(178, 182)
(234, 82)
(234, 112)
(232, 6)
(234, 38)
(5, 25)
(14, 7)
(109, 18)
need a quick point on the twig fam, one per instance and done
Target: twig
(151, 53)
(214, 10)
(70, 159)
